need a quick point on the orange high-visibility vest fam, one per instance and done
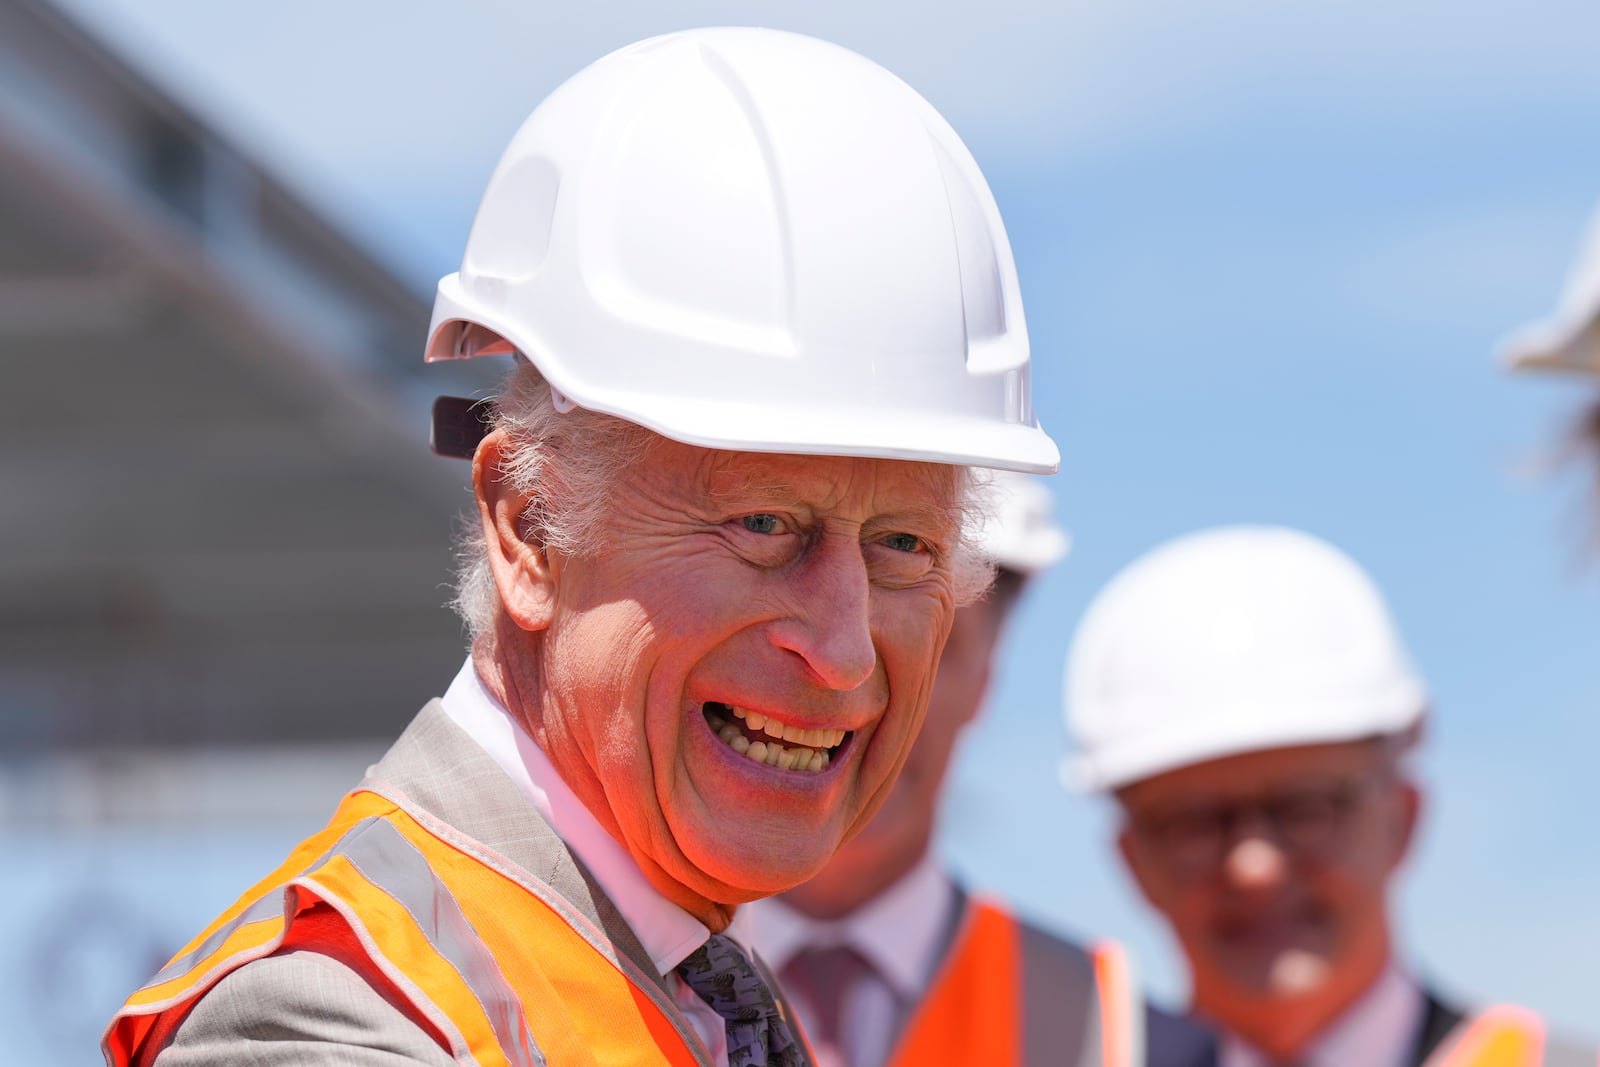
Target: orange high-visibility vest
(498, 971)
(1010, 996)
(1505, 1036)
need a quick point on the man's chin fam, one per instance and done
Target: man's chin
(1284, 974)
(752, 869)
(1298, 972)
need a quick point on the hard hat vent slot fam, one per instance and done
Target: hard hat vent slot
(511, 234)
(982, 294)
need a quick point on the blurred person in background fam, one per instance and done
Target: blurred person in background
(890, 960)
(1568, 342)
(1244, 695)
(763, 331)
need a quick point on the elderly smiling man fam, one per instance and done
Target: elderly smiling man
(766, 319)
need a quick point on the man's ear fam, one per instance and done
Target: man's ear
(1136, 861)
(517, 559)
(1407, 798)
(1408, 813)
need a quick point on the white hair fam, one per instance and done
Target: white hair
(567, 463)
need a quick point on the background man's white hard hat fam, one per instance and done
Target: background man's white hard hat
(1016, 528)
(750, 239)
(1570, 339)
(1226, 641)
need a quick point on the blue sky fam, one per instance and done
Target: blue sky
(1267, 252)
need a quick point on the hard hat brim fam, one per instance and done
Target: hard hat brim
(767, 423)
(1395, 711)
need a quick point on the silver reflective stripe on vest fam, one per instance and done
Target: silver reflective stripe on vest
(1060, 1006)
(268, 907)
(391, 863)
(569, 893)
(387, 860)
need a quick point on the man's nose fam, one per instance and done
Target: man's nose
(1255, 859)
(830, 626)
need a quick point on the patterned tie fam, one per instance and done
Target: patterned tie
(725, 979)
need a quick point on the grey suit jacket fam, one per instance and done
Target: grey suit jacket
(300, 1007)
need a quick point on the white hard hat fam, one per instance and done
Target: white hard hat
(1570, 339)
(1015, 528)
(754, 240)
(1227, 641)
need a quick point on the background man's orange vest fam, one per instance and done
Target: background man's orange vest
(1010, 996)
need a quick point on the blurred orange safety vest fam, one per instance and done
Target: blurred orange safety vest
(1505, 1036)
(497, 973)
(1011, 996)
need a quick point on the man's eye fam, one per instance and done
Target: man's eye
(904, 542)
(762, 523)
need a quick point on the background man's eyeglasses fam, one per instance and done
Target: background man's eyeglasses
(1305, 821)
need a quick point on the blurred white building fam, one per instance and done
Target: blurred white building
(224, 550)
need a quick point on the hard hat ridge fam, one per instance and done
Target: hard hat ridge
(755, 240)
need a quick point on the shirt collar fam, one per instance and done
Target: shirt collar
(667, 932)
(899, 931)
(1378, 1029)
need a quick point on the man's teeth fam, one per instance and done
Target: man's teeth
(808, 753)
(809, 738)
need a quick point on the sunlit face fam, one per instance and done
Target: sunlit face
(898, 835)
(742, 596)
(1272, 868)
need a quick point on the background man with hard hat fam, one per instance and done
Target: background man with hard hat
(883, 950)
(767, 318)
(1245, 696)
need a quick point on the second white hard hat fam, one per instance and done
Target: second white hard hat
(1570, 339)
(1016, 528)
(754, 240)
(1226, 641)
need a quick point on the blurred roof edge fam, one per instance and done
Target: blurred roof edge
(228, 527)
(80, 120)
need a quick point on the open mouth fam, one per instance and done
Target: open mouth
(764, 740)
